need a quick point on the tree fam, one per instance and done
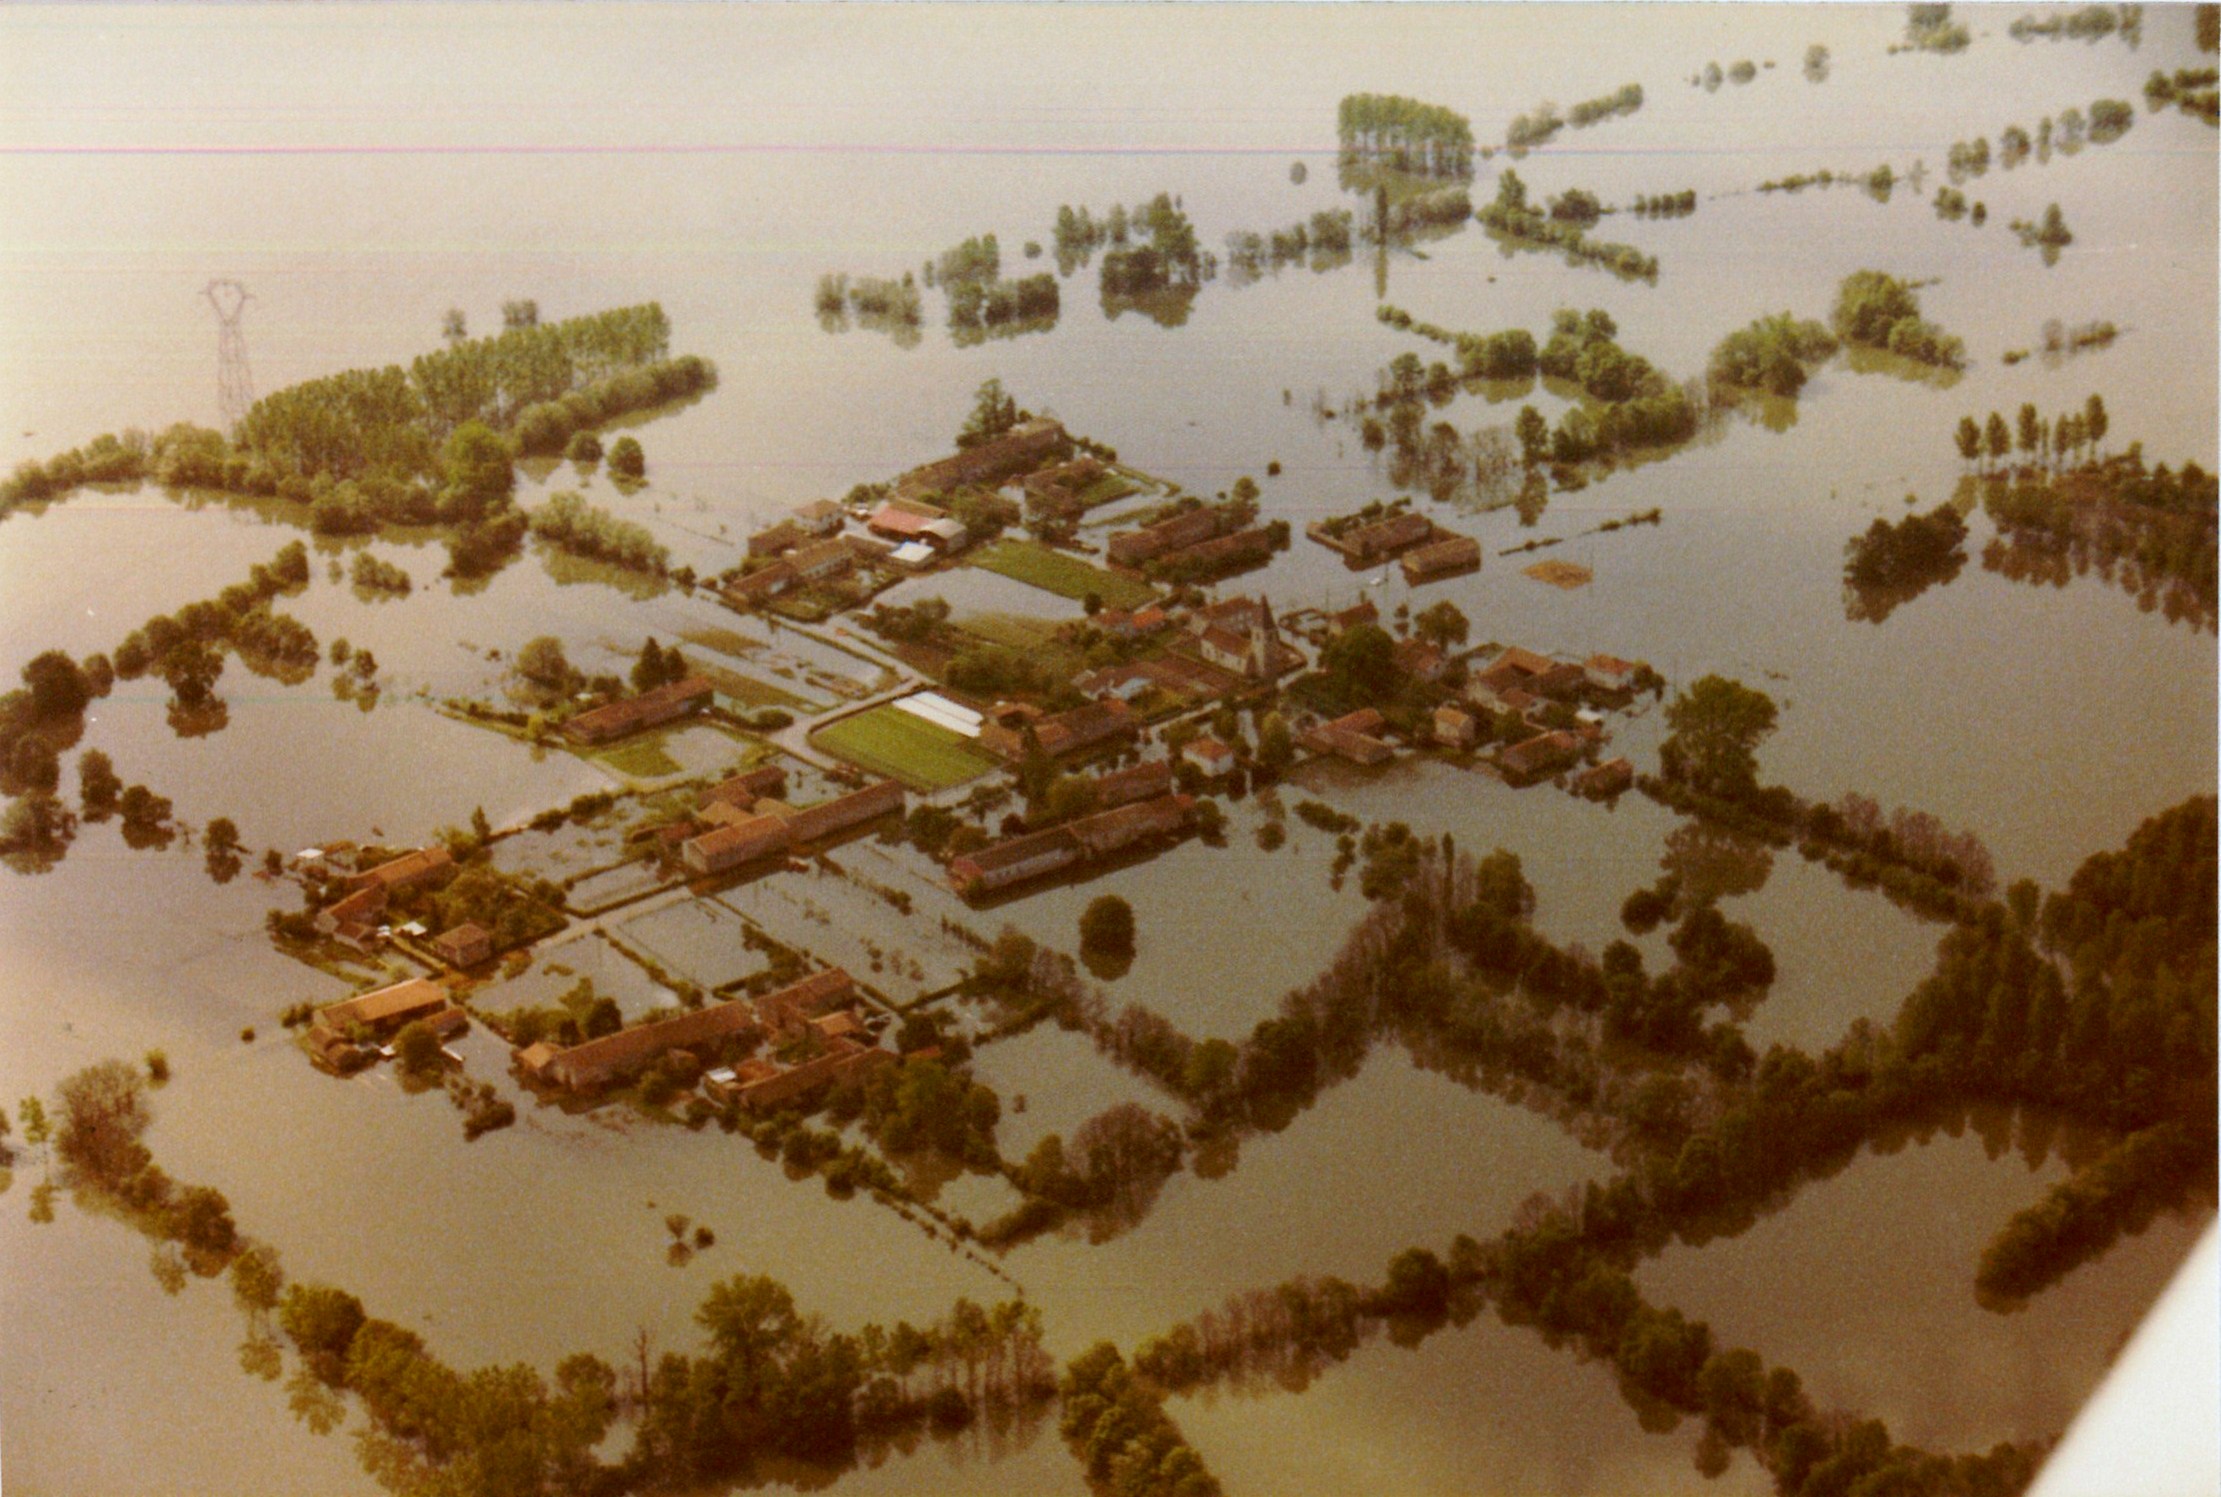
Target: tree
(222, 835)
(192, 670)
(647, 671)
(2094, 421)
(478, 473)
(520, 314)
(103, 1112)
(2031, 430)
(36, 824)
(542, 662)
(1442, 624)
(143, 809)
(417, 1048)
(454, 327)
(584, 447)
(993, 413)
(1107, 926)
(1276, 743)
(1997, 438)
(1717, 725)
(1970, 439)
(58, 685)
(626, 460)
(1533, 431)
(1361, 662)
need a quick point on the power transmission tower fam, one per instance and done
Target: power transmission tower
(234, 381)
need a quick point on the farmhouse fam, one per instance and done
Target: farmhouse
(777, 540)
(818, 517)
(354, 919)
(1152, 777)
(1527, 671)
(727, 847)
(1610, 673)
(762, 583)
(760, 1085)
(335, 1036)
(1441, 558)
(1023, 446)
(465, 946)
(647, 710)
(406, 871)
(798, 1003)
(1384, 538)
(597, 1063)
(1352, 738)
(1455, 728)
(1543, 754)
(1034, 855)
(1057, 490)
(1038, 854)
(743, 789)
(1210, 756)
(1083, 727)
(1188, 528)
(831, 817)
(822, 559)
(1604, 780)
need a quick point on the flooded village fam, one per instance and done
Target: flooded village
(1303, 787)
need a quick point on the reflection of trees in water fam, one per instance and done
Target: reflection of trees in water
(1710, 863)
(1168, 307)
(2041, 559)
(1874, 604)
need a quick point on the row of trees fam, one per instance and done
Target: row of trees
(2150, 532)
(1406, 134)
(2077, 434)
(1326, 239)
(1511, 216)
(768, 1381)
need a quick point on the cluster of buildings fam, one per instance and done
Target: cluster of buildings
(357, 917)
(819, 1006)
(1209, 538)
(345, 1036)
(1427, 550)
(1087, 839)
(1005, 728)
(652, 708)
(1520, 684)
(742, 819)
(1026, 445)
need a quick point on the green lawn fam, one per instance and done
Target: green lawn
(892, 742)
(1065, 575)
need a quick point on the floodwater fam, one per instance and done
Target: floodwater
(718, 160)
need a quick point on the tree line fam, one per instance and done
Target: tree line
(767, 1383)
(1511, 216)
(1405, 134)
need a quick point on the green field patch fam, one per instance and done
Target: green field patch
(895, 743)
(639, 758)
(1066, 576)
(1112, 486)
(723, 641)
(748, 691)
